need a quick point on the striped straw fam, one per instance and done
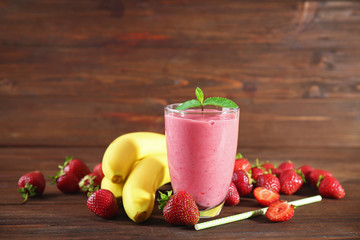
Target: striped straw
(246, 215)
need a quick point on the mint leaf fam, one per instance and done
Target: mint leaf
(189, 104)
(219, 101)
(199, 95)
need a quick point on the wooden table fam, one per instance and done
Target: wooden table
(74, 75)
(56, 215)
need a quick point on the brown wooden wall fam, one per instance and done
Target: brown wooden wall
(80, 73)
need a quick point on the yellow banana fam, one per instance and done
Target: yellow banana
(115, 188)
(141, 185)
(125, 150)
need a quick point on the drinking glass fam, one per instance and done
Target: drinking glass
(201, 148)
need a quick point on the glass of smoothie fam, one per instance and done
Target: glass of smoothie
(201, 148)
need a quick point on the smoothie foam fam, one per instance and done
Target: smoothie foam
(201, 153)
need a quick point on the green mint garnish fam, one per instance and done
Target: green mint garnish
(200, 102)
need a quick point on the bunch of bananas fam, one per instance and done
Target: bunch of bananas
(135, 166)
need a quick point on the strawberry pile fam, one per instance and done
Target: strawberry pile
(74, 176)
(266, 182)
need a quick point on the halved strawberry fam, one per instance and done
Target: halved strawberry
(265, 196)
(280, 211)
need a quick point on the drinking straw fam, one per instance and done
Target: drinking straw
(246, 215)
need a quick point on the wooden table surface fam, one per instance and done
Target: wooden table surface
(74, 75)
(60, 216)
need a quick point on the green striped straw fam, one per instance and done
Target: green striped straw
(246, 215)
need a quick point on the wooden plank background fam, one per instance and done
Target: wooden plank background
(108, 67)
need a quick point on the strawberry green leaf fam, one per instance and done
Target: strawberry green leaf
(219, 101)
(164, 198)
(239, 156)
(189, 104)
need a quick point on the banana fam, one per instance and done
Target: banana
(115, 188)
(125, 150)
(140, 187)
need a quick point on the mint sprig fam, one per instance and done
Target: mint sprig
(200, 102)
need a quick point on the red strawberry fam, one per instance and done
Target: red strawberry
(268, 181)
(267, 166)
(282, 167)
(276, 171)
(90, 182)
(67, 183)
(306, 170)
(265, 196)
(286, 165)
(75, 166)
(280, 211)
(256, 171)
(31, 184)
(243, 182)
(98, 171)
(103, 203)
(315, 174)
(330, 187)
(241, 163)
(290, 181)
(233, 197)
(181, 209)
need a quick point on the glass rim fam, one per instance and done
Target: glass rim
(221, 111)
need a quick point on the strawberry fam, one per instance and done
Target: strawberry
(276, 171)
(280, 211)
(282, 167)
(103, 203)
(306, 170)
(268, 181)
(267, 165)
(286, 165)
(290, 181)
(265, 196)
(67, 183)
(75, 166)
(233, 197)
(180, 209)
(241, 163)
(329, 186)
(31, 184)
(256, 171)
(98, 171)
(243, 182)
(91, 182)
(315, 174)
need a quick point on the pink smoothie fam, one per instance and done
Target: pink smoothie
(201, 153)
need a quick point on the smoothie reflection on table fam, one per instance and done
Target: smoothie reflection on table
(201, 146)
